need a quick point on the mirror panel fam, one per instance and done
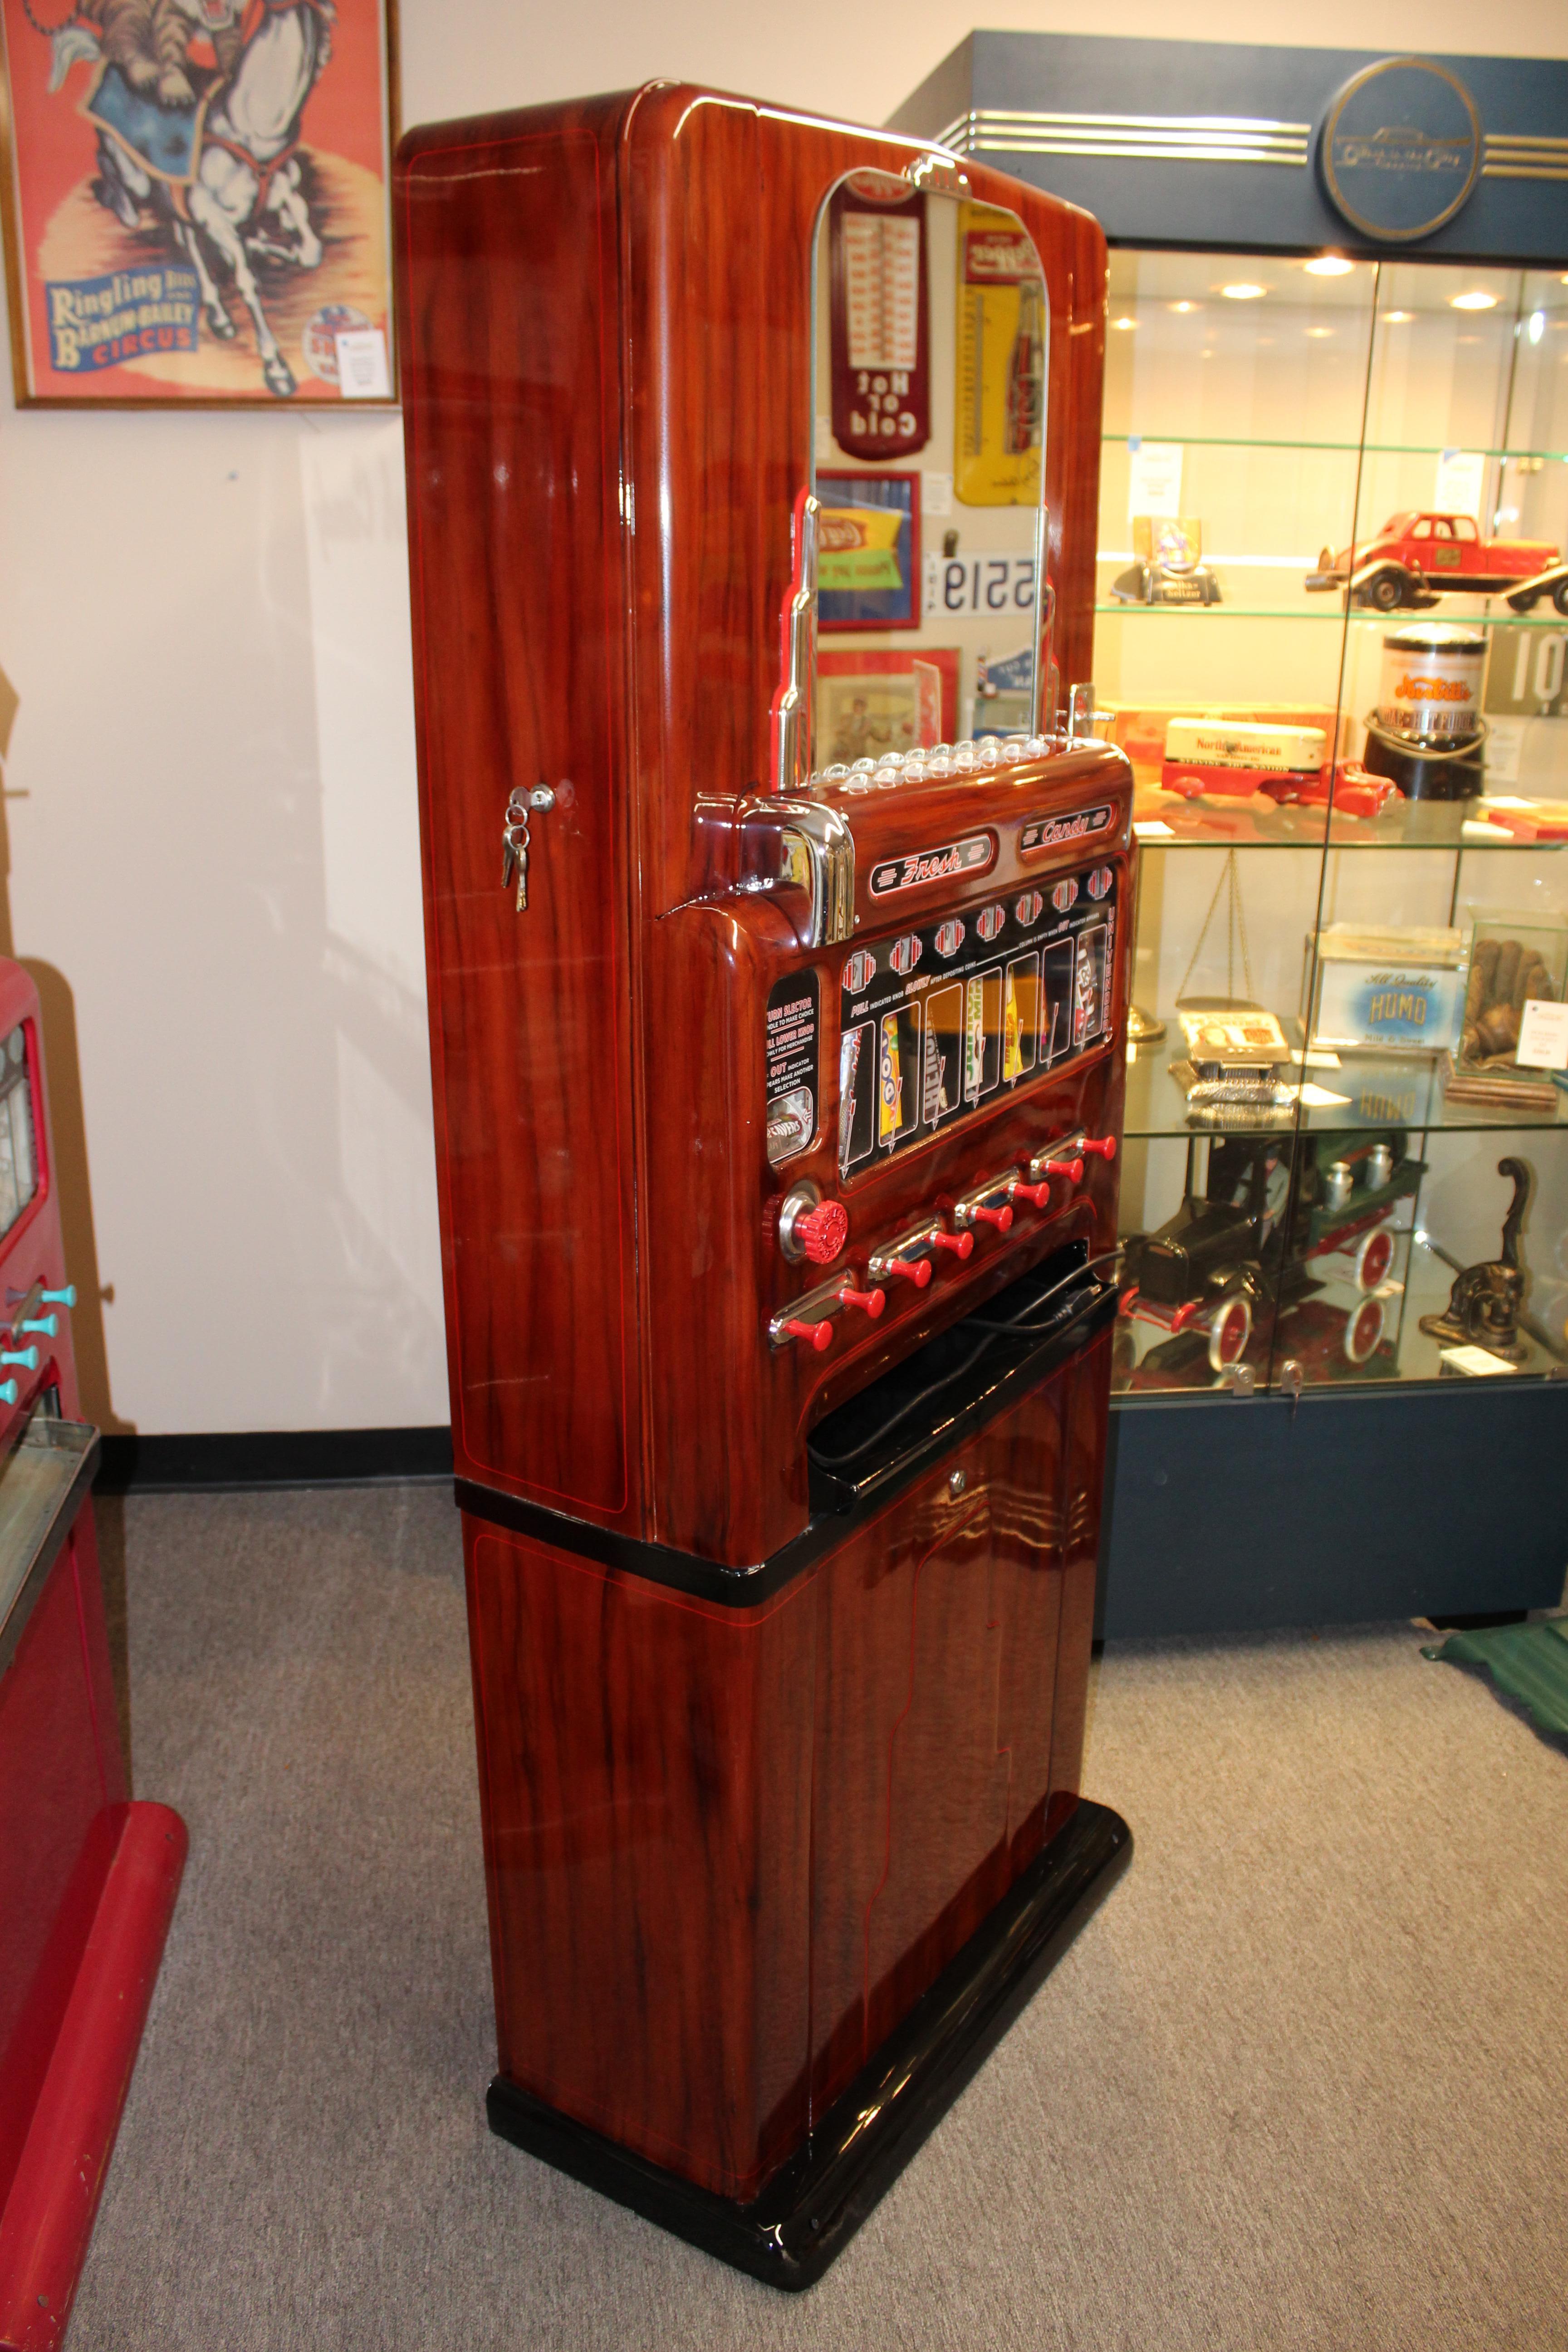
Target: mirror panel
(931, 354)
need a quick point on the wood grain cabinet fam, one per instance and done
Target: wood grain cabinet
(778, 920)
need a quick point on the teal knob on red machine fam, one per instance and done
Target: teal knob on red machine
(47, 1324)
(7, 1392)
(28, 1357)
(66, 1297)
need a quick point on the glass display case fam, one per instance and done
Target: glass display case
(1330, 635)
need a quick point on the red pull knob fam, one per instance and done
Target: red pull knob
(1036, 1193)
(1102, 1146)
(911, 1269)
(819, 1334)
(1001, 1218)
(1072, 1168)
(822, 1230)
(961, 1244)
(873, 1301)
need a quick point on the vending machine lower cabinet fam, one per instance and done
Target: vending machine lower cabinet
(774, 1860)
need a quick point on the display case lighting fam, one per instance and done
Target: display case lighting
(1397, 318)
(1328, 264)
(1537, 326)
(1477, 298)
(1183, 306)
(1244, 292)
(1125, 326)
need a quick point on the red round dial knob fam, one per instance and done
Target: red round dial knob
(1072, 1168)
(1038, 1194)
(1001, 1218)
(1103, 1147)
(911, 1269)
(872, 1301)
(819, 1334)
(822, 1230)
(961, 1244)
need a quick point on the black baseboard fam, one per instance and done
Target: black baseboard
(812, 2206)
(267, 1457)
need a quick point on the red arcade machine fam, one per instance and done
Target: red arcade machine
(88, 1880)
(777, 923)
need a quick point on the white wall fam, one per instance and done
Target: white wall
(210, 793)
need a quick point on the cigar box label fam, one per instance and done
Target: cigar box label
(1079, 824)
(972, 855)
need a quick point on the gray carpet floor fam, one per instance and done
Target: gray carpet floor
(1303, 2081)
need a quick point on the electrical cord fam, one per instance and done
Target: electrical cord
(1024, 1321)
(933, 1388)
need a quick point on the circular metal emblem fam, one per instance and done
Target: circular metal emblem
(1401, 149)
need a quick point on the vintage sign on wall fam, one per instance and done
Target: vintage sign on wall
(196, 200)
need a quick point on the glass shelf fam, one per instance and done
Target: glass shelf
(1380, 1090)
(1341, 448)
(1549, 619)
(1225, 612)
(1257, 824)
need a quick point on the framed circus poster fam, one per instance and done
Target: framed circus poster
(196, 200)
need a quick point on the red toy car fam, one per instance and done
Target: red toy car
(1417, 558)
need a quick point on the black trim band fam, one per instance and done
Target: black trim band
(840, 1505)
(812, 2206)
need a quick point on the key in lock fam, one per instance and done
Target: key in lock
(515, 836)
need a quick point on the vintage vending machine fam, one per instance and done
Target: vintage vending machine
(778, 920)
(87, 1879)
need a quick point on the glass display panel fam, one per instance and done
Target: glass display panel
(1333, 638)
(931, 347)
(937, 1019)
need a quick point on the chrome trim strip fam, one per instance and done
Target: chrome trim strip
(1510, 156)
(1153, 138)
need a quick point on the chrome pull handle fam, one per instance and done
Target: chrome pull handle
(819, 854)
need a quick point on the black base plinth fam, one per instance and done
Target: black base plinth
(814, 2204)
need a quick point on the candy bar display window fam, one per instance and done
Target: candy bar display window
(1332, 636)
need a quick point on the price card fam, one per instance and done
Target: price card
(1476, 1361)
(1460, 478)
(1542, 1034)
(1153, 477)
